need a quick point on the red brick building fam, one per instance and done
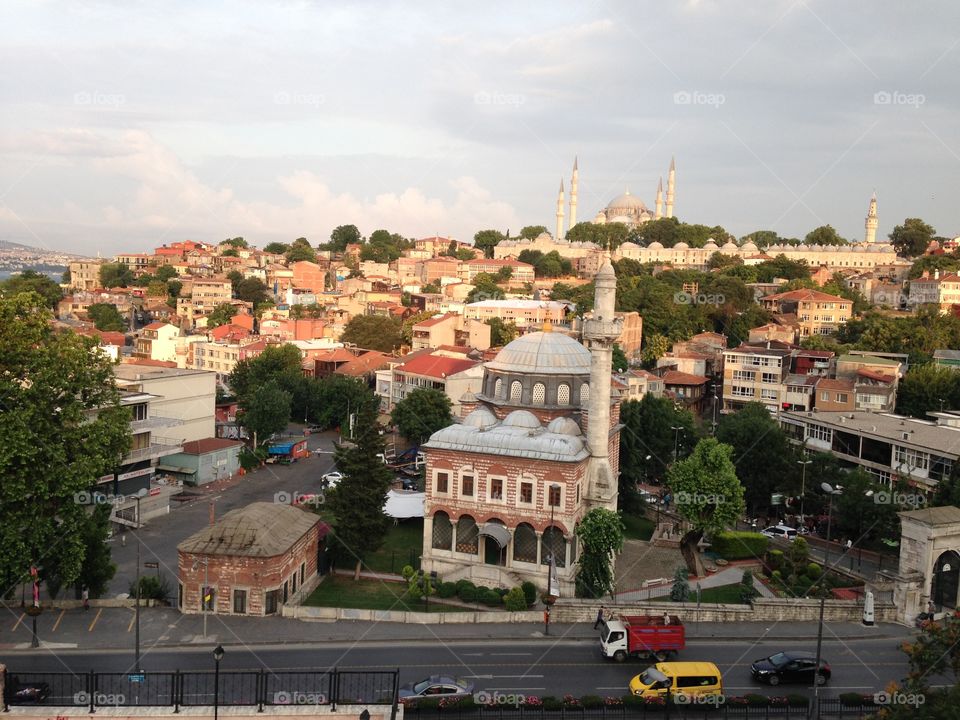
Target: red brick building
(255, 559)
(536, 450)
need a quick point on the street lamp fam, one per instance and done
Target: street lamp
(831, 491)
(676, 436)
(140, 493)
(217, 657)
(803, 485)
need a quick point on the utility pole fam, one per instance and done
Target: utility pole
(137, 607)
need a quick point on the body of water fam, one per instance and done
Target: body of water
(55, 275)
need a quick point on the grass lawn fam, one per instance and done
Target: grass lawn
(723, 594)
(343, 591)
(637, 527)
(403, 546)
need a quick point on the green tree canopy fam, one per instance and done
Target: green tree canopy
(237, 242)
(947, 263)
(300, 250)
(782, 267)
(550, 264)
(707, 494)
(373, 332)
(106, 317)
(276, 248)
(342, 236)
(32, 281)
(384, 247)
(222, 315)
(165, 272)
(926, 388)
(824, 235)
(265, 410)
(487, 240)
(334, 398)
(501, 332)
(485, 288)
(280, 363)
(620, 362)
(62, 428)
(97, 570)
(609, 236)
(601, 535)
(115, 275)
(579, 295)
(765, 238)
(253, 290)
(421, 413)
(531, 232)
(912, 238)
(360, 525)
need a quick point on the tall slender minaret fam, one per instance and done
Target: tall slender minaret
(671, 186)
(600, 332)
(573, 194)
(871, 223)
(559, 213)
(659, 199)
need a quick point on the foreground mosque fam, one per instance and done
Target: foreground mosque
(537, 449)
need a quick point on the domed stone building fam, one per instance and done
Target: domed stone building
(627, 209)
(537, 449)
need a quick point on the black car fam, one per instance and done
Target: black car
(31, 693)
(790, 667)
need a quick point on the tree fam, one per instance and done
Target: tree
(654, 347)
(824, 235)
(106, 317)
(342, 236)
(252, 290)
(485, 288)
(782, 267)
(276, 248)
(32, 281)
(707, 494)
(300, 250)
(235, 277)
(912, 238)
(265, 411)
(620, 362)
(333, 399)
(222, 315)
(230, 252)
(173, 288)
(501, 332)
(680, 590)
(532, 232)
(926, 388)
(66, 277)
(487, 240)
(383, 247)
(550, 264)
(115, 275)
(97, 570)
(601, 535)
(406, 328)
(359, 523)
(765, 238)
(421, 413)
(719, 261)
(763, 456)
(61, 428)
(861, 513)
(579, 295)
(278, 363)
(237, 242)
(165, 272)
(373, 332)
(949, 263)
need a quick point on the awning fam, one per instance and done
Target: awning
(177, 470)
(402, 504)
(496, 531)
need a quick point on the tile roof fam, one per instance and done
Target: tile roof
(366, 363)
(208, 445)
(834, 384)
(675, 377)
(871, 375)
(436, 367)
(806, 295)
(261, 529)
(430, 322)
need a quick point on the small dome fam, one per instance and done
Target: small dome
(681, 246)
(521, 419)
(628, 246)
(729, 247)
(710, 245)
(544, 237)
(543, 353)
(480, 418)
(563, 426)
(655, 246)
(749, 246)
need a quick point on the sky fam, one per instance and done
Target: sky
(126, 125)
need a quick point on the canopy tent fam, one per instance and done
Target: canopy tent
(403, 504)
(496, 531)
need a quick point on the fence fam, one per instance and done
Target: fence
(178, 689)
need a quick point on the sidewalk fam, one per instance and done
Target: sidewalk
(727, 576)
(113, 628)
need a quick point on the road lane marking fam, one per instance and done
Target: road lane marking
(19, 620)
(93, 623)
(57, 623)
(510, 654)
(133, 619)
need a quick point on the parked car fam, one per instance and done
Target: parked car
(31, 693)
(331, 478)
(792, 666)
(435, 686)
(780, 531)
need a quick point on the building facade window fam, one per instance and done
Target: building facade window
(525, 543)
(516, 391)
(526, 493)
(466, 486)
(270, 602)
(553, 496)
(498, 388)
(442, 531)
(584, 395)
(240, 601)
(467, 535)
(563, 394)
(819, 432)
(554, 545)
(539, 393)
(441, 482)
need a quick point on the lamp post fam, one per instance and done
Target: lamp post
(831, 491)
(803, 485)
(816, 668)
(136, 612)
(676, 437)
(217, 657)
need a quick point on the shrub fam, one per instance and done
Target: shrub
(551, 703)
(468, 593)
(755, 700)
(775, 559)
(591, 701)
(515, 599)
(814, 571)
(795, 700)
(851, 698)
(151, 588)
(777, 575)
(446, 589)
(681, 586)
(529, 592)
(462, 584)
(632, 701)
(489, 597)
(747, 589)
(248, 460)
(502, 591)
(738, 545)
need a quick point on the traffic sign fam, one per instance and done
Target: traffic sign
(136, 678)
(152, 565)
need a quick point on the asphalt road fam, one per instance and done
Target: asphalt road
(517, 667)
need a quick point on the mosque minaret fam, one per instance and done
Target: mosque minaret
(871, 223)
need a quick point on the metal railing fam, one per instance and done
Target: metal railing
(176, 689)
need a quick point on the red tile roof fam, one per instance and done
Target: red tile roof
(806, 295)
(335, 355)
(871, 375)
(675, 377)
(155, 326)
(430, 322)
(366, 363)
(833, 384)
(436, 367)
(208, 445)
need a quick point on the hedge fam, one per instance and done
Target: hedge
(736, 545)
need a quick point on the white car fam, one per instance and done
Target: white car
(332, 478)
(780, 531)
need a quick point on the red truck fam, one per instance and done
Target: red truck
(647, 636)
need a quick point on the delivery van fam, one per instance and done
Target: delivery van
(678, 678)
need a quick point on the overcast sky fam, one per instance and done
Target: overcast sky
(129, 124)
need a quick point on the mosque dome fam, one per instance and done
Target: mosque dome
(543, 353)
(655, 246)
(626, 202)
(564, 426)
(729, 247)
(710, 245)
(522, 419)
(480, 418)
(629, 246)
(681, 246)
(749, 246)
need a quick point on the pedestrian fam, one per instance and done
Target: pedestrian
(849, 543)
(85, 595)
(599, 618)
(123, 539)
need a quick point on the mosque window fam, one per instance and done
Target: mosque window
(563, 394)
(584, 394)
(442, 531)
(516, 390)
(498, 387)
(539, 393)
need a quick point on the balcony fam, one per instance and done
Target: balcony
(159, 447)
(154, 422)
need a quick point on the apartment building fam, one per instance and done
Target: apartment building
(85, 274)
(523, 313)
(754, 374)
(158, 341)
(454, 376)
(222, 358)
(205, 295)
(450, 329)
(138, 263)
(519, 272)
(942, 290)
(187, 396)
(818, 313)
